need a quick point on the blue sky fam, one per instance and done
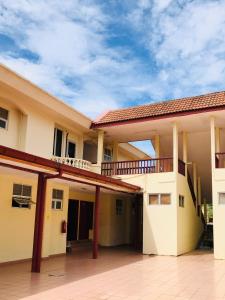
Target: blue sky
(98, 55)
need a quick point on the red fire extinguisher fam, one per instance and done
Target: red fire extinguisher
(63, 227)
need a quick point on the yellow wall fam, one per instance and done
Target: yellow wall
(218, 214)
(189, 225)
(114, 230)
(159, 221)
(17, 224)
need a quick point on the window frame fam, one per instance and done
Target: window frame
(25, 206)
(107, 157)
(67, 148)
(57, 200)
(5, 120)
(57, 128)
(159, 199)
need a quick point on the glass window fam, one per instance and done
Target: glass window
(57, 199)
(107, 154)
(4, 114)
(165, 199)
(58, 141)
(153, 199)
(221, 198)
(21, 196)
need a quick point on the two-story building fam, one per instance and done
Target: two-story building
(64, 177)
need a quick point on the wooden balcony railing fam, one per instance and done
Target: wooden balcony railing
(220, 160)
(145, 166)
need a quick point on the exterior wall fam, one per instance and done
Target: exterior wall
(54, 242)
(10, 137)
(17, 224)
(114, 229)
(218, 214)
(189, 225)
(159, 221)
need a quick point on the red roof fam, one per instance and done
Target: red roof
(208, 102)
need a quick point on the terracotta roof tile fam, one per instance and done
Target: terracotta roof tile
(189, 104)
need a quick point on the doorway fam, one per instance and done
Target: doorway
(137, 213)
(80, 220)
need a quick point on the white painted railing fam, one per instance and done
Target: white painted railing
(73, 162)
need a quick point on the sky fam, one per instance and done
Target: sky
(99, 55)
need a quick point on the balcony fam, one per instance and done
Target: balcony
(146, 166)
(73, 162)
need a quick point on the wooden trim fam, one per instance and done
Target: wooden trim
(37, 161)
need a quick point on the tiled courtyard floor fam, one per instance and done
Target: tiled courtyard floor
(118, 274)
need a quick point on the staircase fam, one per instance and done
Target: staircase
(206, 241)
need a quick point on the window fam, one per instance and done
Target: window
(71, 149)
(57, 199)
(21, 196)
(154, 199)
(165, 199)
(107, 154)
(58, 141)
(181, 201)
(4, 114)
(159, 199)
(119, 207)
(221, 198)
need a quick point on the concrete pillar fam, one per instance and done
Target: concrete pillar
(157, 146)
(185, 156)
(217, 139)
(100, 147)
(195, 179)
(175, 148)
(80, 148)
(115, 151)
(199, 191)
(213, 144)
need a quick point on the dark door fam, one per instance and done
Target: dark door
(58, 138)
(71, 149)
(72, 221)
(138, 222)
(86, 219)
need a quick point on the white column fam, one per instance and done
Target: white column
(80, 147)
(205, 210)
(175, 148)
(100, 147)
(199, 192)
(195, 184)
(213, 144)
(217, 139)
(157, 146)
(185, 157)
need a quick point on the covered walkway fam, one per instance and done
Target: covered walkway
(119, 273)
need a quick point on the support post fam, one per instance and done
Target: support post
(185, 156)
(217, 139)
(195, 184)
(96, 223)
(115, 151)
(39, 223)
(175, 148)
(157, 146)
(213, 145)
(100, 147)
